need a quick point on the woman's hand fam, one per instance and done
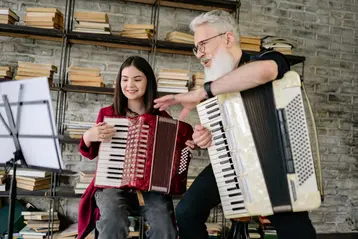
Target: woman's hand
(202, 136)
(100, 132)
(190, 144)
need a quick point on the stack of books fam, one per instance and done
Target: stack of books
(83, 181)
(214, 230)
(173, 80)
(92, 22)
(180, 37)
(198, 80)
(32, 180)
(28, 70)
(269, 232)
(250, 43)
(49, 18)
(278, 44)
(75, 129)
(254, 229)
(5, 72)
(8, 16)
(3, 181)
(37, 224)
(140, 31)
(85, 76)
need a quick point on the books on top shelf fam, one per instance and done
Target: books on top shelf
(75, 129)
(173, 80)
(5, 72)
(214, 230)
(140, 31)
(278, 44)
(26, 70)
(250, 43)
(32, 180)
(180, 37)
(85, 76)
(49, 18)
(8, 16)
(198, 80)
(91, 22)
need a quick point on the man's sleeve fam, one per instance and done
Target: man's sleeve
(280, 59)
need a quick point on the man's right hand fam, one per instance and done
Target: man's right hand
(202, 136)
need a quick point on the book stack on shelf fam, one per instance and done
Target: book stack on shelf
(198, 80)
(214, 230)
(254, 229)
(75, 129)
(278, 44)
(5, 73)
(28, 70)
(85, 76)
(180, 37)
(92, 22)
(173, 80)
(269, 232)
(37, 224)
(250, 43)
(3, 181)
(8, 16)
(49, 18)
(32, 180)
(140, 31)
(83, 181)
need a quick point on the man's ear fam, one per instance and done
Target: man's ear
(230, 39)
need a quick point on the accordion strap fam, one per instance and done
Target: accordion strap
(140, 198)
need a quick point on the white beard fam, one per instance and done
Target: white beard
(221, 64)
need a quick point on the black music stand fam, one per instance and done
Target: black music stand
(28, 136)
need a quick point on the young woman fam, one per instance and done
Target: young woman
(108, 209)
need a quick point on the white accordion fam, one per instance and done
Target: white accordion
(261, 152)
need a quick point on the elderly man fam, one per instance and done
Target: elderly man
(228, 69)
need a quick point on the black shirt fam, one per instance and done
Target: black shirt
(279, 58)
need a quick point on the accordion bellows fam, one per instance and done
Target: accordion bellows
(148, 153)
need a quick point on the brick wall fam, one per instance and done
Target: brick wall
(326, 32)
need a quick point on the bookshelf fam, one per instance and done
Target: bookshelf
(67, 38)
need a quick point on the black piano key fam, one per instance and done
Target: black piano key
(234, 188)
(226, 169)
(114, 173)
(239, 208)
(117, 147)
(234, 194)
(210, 105)
(226, 148)
(213, 116)
(224, 155)
(116, 155)
(234, 180)
(113, 142)
(225, 162)
(115, 168)
(212, 111)
(219, 137)
(221, 142)
(119, 138)
(218, 129)
(116, 160)
(121, 131)
(217, 123)
(110, 177)
(229, 175)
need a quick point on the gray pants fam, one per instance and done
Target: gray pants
(116, 205)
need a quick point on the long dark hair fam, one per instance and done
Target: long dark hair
(120, 101)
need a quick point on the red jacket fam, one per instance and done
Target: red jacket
(88, 212)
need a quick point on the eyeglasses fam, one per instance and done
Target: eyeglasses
(201, 44)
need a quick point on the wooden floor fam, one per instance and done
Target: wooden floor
(338, 236)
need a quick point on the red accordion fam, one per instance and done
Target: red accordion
(147, 153)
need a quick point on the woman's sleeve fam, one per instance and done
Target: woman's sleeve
(92, 151)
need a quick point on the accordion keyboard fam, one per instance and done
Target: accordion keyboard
(112, 154)
(231, 196)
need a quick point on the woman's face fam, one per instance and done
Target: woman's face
(133, 83)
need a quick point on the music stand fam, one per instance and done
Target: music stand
(28, 136)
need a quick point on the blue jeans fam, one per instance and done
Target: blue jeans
(194, 209)
(116, 205)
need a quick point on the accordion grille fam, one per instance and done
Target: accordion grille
(299, 139)
(163, 154)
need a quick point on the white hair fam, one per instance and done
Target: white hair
(221, 20)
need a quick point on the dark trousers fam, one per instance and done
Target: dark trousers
(194, 209)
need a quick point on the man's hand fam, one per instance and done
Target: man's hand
(202, 136)
(187, 100)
